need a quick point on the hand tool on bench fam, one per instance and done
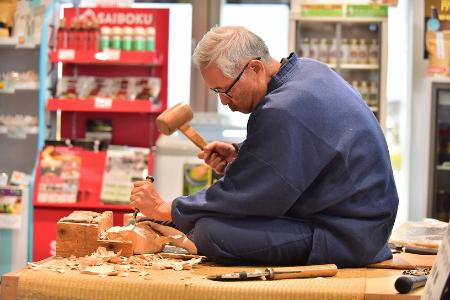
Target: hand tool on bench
(178, 117)
(405, 284)
(280, 273)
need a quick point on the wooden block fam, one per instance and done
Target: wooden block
(8, 286)
(126, 247)
(79, 238)
(127, 218)
(105, 221)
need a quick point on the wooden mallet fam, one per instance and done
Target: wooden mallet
(178, 117)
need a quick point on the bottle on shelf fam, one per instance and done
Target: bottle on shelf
(323, 50)
(345, 51)
(127, 40)
(363, 52)
(61, 35)
(433, 23)
(373, 94)
(139, 39)
(150, 43)
(355, 85)
(116, 39)
(93, 35)
(304, 48)
(373, 52)
(105, 38)
(3, 179)
(353, 57)
(73, 37)
(333, 52)
(82, 36)
(314, 49)
(364, 91)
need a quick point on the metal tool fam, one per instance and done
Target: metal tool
(405, 284)
(280, 273)
(136, 210)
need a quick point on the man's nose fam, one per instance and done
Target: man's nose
(224, 99)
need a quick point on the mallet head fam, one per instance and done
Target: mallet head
(171, 119)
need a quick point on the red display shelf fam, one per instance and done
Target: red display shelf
(102, 105)
(107, 57)
(84, 206)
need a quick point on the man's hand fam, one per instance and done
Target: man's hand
(217, 155)
(145, 197)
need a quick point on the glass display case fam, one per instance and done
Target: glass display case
(439, 185)
(355, 47)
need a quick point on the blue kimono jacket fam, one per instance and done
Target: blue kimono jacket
(314, 151)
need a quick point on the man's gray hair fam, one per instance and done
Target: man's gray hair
(229, 47)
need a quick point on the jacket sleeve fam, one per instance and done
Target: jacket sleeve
(279, 159)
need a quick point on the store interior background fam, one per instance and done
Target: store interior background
(408, 84)
(270, 20)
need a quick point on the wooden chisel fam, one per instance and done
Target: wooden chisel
(280, 273)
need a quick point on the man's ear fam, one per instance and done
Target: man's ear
(257, 66)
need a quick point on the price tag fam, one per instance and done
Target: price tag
(112, 54)
(66, 54)
(101, 102)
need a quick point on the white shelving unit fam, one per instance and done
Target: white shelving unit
(340, 28)
(18, 150)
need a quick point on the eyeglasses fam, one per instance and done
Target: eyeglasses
(216, 90)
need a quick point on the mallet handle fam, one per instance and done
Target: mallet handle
(193, 135)
(302, 271)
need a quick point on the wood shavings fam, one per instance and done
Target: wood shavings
(106, 270)
(80, 216)
(107, 263)
(115, 260)
(89, 261)
(103, 235)
(143, 273)
(105, 254)
(33, 266)
(44, 267)
(180, 256)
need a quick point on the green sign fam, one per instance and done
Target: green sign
(321, 10)
(362, 10)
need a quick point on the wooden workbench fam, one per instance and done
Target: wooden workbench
(373, 284)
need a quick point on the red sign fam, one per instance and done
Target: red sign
(122, 16)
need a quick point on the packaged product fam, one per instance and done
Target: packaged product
(150, 39)
(139, 39)
(438, 46)
(373, 52)
(7, 10)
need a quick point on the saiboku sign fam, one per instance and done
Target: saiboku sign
(120, 18)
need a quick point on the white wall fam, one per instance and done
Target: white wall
(275, 33)
(420, 118)
(398, 99)
(180, 33)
